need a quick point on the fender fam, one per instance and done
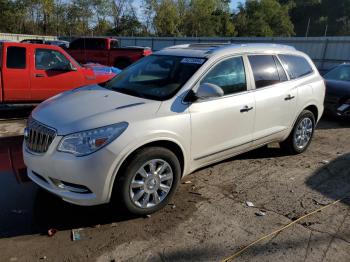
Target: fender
(133, 147)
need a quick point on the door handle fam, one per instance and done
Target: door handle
(289, 97)
(246, 109)
(39, 75)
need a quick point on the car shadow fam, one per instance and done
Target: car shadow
(333, 179)
(329, 122)
(15, 113)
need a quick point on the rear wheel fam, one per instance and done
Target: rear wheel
(301, 135)
(149, 180)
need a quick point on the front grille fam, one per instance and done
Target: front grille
(38, 137)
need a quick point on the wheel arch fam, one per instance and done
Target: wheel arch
(170, 144)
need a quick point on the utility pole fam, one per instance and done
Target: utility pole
(307, 28)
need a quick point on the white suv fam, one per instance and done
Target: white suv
(167, 115)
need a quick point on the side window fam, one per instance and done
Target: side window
(264, 70)
(16, 57)
(114, 44)
(95, 44)
(46, 59)
(296, 66)
(77, 44)
(282, 74)
(229, 75)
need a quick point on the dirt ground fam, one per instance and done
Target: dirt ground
(207, 220)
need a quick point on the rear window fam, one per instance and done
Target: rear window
(264, 70)
(296, 66)
(114, 44)
(16, 57)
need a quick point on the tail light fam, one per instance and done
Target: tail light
(146, 52)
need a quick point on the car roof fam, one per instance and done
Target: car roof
(207, 50)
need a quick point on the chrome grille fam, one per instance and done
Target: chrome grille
(38, 137)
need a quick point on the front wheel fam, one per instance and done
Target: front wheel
(149, 180)
(301, 135)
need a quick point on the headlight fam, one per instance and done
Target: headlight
(87, 142)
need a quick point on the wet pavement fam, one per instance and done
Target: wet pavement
(27, 209)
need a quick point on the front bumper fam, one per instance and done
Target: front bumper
(93, 172)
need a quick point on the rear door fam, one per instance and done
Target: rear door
(52, 74)
(16, 74)
(275, 98)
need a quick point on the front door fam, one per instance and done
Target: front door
(223, 126)
(52, 74)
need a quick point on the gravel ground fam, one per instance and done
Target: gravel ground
(208, 219)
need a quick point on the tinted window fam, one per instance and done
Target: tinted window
(77, 44)
(95, 44)
(16, 57)
(155, 77)
(296, 66)
(341, 73)
(46, 59)
(282, 74)
(114, 44)
(229, 75)
(264, 70)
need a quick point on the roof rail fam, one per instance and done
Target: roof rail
(210, 44)
(200, 45)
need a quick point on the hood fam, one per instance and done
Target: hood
(338, 88)
(91, 107)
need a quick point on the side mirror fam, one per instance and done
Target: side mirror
(70, 67)
(207, 90)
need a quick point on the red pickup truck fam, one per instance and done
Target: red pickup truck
(105, 51)
(30, 73)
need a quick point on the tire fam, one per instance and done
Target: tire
(122, 63)
(138, 183)
(295, 146)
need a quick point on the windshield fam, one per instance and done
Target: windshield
(155, 77)
(341, 73)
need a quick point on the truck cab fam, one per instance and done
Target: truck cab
(106, 51)
(31, 73)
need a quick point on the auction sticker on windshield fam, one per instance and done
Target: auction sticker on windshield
(190, 60)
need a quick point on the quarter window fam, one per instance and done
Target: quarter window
(47, 59)
(296, 66)
(16, 57)
(264, 70)
(229, 75)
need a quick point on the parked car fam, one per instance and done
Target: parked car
(105, 51)
(337, 101)
(60, 43)
(31, 73)
(178, 110)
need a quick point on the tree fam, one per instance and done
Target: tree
(190, 17)
(263, 18)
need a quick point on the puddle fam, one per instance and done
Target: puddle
(27, 209)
